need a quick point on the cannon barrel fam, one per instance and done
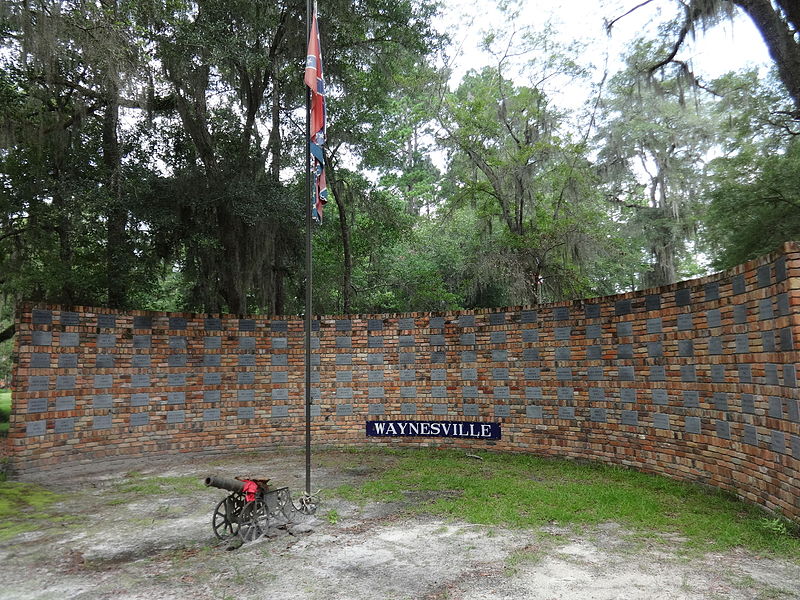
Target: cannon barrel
(223, 483)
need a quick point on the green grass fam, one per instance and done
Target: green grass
(5, 411)
(25, 507)
(527, 491)
(137, 484)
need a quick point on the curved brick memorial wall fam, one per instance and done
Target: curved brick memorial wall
(695, 380)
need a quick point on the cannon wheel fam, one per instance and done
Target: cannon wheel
(254, 520)
(226, 518)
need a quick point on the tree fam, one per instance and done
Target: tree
(513, 160)
(778, 21)
(653, 145)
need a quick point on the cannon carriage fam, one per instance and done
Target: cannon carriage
(253, 506)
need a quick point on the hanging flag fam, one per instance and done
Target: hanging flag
(314, 80)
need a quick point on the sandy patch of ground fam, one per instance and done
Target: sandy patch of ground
(154, 547)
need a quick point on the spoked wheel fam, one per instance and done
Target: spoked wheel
(227, 515)
(254, 520)
(307, 503)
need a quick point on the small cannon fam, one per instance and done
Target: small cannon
(253, 505)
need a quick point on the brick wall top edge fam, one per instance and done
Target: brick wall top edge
(788, 248)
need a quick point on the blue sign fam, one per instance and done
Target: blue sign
(453, 429)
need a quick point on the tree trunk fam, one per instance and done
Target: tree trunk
(779, 36)
(340, 193)
(117, 261)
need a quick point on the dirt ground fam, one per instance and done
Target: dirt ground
(152, 547)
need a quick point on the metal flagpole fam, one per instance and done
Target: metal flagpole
(308, 266)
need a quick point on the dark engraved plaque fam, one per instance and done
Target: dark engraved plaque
(345, 376)
(375, 376)
(141, 341)
(469, 391)
(738, 284)
(212, 360)
(211, 396)
(69, 339)
(683, 297)
(529, 316)
(407, 358)
(593, 331)
(212, 378)
(531, 411)
(688, 373)
(139, 380)
(67, 382)
(436, 323)
(344, 341)
(406, 323)
(376, 392)
(344, 324)
(561, 313)
(176, 379)
(661, 421)
(41, 360)
(247, 412)
(685, 348)
(140, 322)
(211, 414)
(765, 311)
(283, 393)
(41, 317)
(177, 342)
(497, 318)
(438, 391)
(70, 361)
(283, 326)
(742, 343)
(374, 325)
(745, 374)
(502, 410)
(630, 417)
(276, 376)
(247, 325)
(344, 410)
(533, 393)
(101, 422)
(723, 429)
(750, 435)
(176, 416)
(714, 318)
(102, 401)
(592, 311)
(740, 314)
(38, 383)
(624, 329)
(375, 359)
(597, 395)
(249, 343)
(497, 337)
(626, 373)
(35, 428)
(436, 340)
(501, 391)
(655, 349)
(65, 403)
(468, 356)
(778, 442)
(140, 361)
(654, 325)
(176, 397)
(439, 408)
(438, 357)
(595, 373)
(409, 391)
(529, 354)
(720, 401)
(715, 345)
(177, 323)
(625, 351)
(375, 341)
(597, 415)
(376, 408)
(627, 395)
(408, 408)
(406, 340)
(438, 374)
(212, 324)
(532, 373)
(466, 321)
(783, 304)
(562, 353)
(69, 319)
(718, 373)
(594, 352)
(790, 376)
(65, 425)
(41, 338)
(763, 276)
(499, 373)
(657, 373)
(565, 393)
(660, 396)
(562, 373)
(622, 307)
(748, 404)
(467, 339)
(177, 360)
(562, 333)
(250, 395)
(685, 322)
(775, 407)
(771, 374)
(37, 405)
(652, 302)
(712, 291)
(280, 360)
(693, 425)
(140, 399)
(106, 340)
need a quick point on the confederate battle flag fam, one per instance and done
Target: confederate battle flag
(316, 83)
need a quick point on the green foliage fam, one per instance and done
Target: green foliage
(755, 204)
